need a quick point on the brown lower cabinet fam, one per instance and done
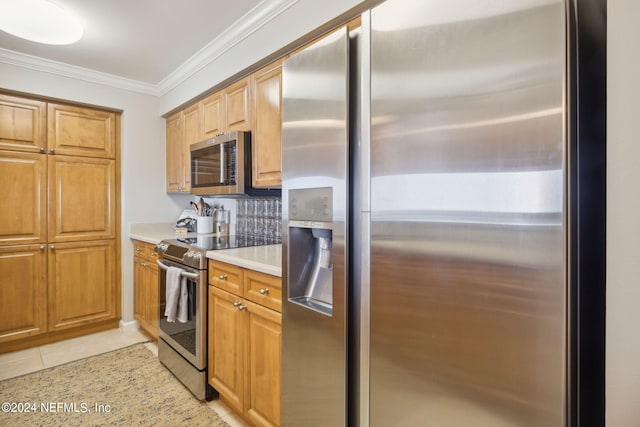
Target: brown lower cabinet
(245, 343)
(145, 287)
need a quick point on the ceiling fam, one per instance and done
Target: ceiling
(146, 41)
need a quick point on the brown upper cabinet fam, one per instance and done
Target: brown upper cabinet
(24, 194)
(175, 173)
(23, 124)
(183, 129)
(267, 126)
(78, 131)
(226, 110)
(82, 198)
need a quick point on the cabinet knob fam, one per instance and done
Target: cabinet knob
(237, 304)
(145, 264)
(52, 247)
(42, 247)
(242, 307)
(264, 291)
(222, 277)
(42, 149)
(52, 151)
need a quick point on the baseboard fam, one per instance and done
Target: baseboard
(129, 326)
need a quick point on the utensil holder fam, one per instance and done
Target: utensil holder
(204, 224)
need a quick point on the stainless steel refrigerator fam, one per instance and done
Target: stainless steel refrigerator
(436, 190)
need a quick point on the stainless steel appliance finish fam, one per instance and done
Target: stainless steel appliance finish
(182, 347)
(222, 165)
(314, 213)
(468, 220)
(473, 234)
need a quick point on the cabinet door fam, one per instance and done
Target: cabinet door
(192, 134)
(262, 387)
(140, 291)
(77, 131)
(238, 106)
(82, 198)
(152, 301)
(267, 126)
(23, 124)
(23, 291)
(226, 346)
(145, 292)
(82, 283)
(175, 154)
(23, 192)
(212, 115)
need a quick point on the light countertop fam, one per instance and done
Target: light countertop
(266, 259)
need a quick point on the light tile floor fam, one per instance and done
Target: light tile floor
(34, 359)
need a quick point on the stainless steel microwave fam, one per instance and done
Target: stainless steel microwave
(222, 166)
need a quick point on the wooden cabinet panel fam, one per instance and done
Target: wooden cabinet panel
(23, 291)
(192, 134)
(226, 346)
(238, 106)
(81, 283)
(66, 201)
(77, 131)
(82, 198)
(266, 135)
(263, 289)
(145, 287)
(175, 154)
(264, 356)
(226, 276)
(212, 115)
(23, 124)
(23, 219)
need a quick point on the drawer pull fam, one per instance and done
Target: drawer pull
(222, 277)
(264, 291)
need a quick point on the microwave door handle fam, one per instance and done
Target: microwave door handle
(222, 164)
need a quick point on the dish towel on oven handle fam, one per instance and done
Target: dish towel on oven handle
(176, 296)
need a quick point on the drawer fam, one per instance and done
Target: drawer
(145, 250)
(263, 289)
(140, 249)
(226, 276)
(151, 251)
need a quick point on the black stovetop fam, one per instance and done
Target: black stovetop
(210, 242)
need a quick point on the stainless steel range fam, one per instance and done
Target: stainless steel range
(182, 345)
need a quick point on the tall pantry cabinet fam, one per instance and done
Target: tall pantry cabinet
(59, 226)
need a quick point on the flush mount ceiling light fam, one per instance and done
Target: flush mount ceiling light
(40, 21)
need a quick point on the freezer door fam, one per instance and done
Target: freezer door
(468, 229)
(314, 209)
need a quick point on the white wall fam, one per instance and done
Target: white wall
(301, 18)
(142, 152)
(623, 214)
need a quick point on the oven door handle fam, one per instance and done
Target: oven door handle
(184, 273)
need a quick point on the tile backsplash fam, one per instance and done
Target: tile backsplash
(259, 217)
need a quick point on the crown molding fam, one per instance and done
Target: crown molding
(253, 20)
(75, 72)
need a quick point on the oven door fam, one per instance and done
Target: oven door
(189, 338)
